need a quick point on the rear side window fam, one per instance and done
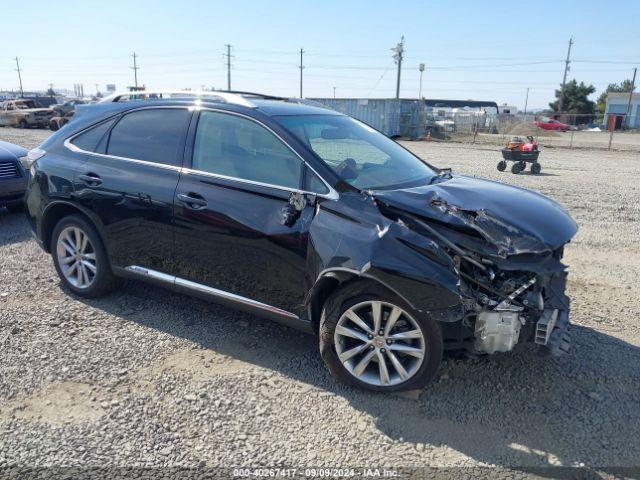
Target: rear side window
(153, 135)
(89, 139)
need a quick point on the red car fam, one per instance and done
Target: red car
(552, 125)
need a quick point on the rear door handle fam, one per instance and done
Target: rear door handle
(91, 179)
(192, 201)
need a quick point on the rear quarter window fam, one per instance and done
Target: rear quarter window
(90, 140)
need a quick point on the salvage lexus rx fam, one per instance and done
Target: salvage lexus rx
(305, 216)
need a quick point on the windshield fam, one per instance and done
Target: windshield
(25, 105)
(360, 155)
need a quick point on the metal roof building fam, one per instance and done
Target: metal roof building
(397, 117)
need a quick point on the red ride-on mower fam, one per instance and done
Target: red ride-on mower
(521, 153)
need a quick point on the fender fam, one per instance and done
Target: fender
(46, 226)
(447, 308)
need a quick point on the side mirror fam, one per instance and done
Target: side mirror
(291, 211)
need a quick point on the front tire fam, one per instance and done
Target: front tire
(80, 258)
(372, 339)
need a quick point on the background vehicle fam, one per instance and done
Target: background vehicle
(551, 124)
(305, 216)
(56, 123)
(60, 110)
(24, 113)
(13, 177)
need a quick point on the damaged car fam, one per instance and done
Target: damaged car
(24, 113)
(307, 217)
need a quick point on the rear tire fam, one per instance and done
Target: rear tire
(535, 168)
(409, 346)
(80, 258)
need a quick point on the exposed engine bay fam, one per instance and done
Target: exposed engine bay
(511, 283)
(506, 307)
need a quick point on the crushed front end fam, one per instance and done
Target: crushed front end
(507, 255)
(506, 306)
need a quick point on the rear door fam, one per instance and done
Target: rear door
(236, 230)
(129, 180)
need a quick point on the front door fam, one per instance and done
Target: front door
(236, 228)
(129, 180)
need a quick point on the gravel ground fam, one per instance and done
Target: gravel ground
(149, 378)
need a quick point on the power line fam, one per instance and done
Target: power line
(564, 77)
(399, 52)
(19, 76)
(228, 55)
(633, 86)
(301, 67)
(135, 69)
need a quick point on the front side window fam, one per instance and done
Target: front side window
(237, 147)
(153, 135)
(360, 155)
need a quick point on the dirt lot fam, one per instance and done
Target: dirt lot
(151, 378)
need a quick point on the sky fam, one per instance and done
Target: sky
(491, 50)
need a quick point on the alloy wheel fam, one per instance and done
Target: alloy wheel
(379, 343)
(76, 257)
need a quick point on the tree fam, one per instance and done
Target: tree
(613, 87)
(575, 98)
(50, 92)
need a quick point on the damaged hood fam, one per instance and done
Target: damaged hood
(512, 219)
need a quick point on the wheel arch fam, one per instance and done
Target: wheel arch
(56, 211)
(331, 280)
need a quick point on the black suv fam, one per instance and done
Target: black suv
(305, 216)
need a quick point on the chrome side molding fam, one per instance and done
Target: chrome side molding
(174, 281)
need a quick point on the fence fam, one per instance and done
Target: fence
(609, 132)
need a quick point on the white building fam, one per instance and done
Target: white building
(507, 109)
(616, 109)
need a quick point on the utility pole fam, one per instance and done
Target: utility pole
(135, 69)
(526, 101)
(301, 67)
(398, 56)
(19, 77)
(633, 86)
(564, 78)
(228, 55)
(334, 92)
(421, 68)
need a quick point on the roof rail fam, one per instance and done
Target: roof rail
(261, 96)
(224, 97)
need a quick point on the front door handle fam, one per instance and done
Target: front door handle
(192, 201)
(91, 179)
